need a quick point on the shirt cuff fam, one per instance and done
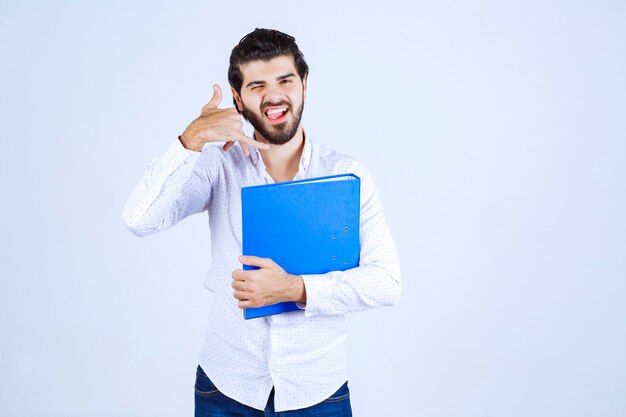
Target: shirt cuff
(177, 154)
(319, 292)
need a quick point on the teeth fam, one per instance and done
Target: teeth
(273, 111)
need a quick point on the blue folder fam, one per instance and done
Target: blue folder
(308, 226)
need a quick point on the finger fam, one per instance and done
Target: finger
(243, 143)
(228, 145)
(215, 100)
(240, 295)
(257, 261)
(244, 147)
(251, 142)
(238, 285)
(245, 304)
(240, 275)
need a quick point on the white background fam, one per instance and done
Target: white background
(494, 130)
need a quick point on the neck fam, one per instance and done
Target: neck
(282, 161)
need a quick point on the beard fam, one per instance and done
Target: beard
(275, 134)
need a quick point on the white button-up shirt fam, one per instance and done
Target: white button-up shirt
(301, 353)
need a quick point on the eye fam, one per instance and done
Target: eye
(287, 81)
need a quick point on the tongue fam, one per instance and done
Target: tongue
(276, 115)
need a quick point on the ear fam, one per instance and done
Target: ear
(304, 87)
(237, 99)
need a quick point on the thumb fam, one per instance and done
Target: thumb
(257, 261)
(215, 100)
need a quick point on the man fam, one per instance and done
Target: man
(289, 361)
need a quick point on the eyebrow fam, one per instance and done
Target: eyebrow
(282, 77)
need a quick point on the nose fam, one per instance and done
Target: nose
(274, 95)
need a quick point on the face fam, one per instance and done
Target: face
(272, 98)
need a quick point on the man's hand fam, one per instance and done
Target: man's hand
(218, 125)
(269, 284)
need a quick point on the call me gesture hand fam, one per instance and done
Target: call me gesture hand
(218, 125)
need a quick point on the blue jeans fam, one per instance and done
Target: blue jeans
(210, 402)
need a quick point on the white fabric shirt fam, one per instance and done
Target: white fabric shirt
(301, 353)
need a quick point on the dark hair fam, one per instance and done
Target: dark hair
(264, 45)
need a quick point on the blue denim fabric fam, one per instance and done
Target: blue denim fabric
(210, 402)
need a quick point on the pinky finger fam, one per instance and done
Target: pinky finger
(245, 147)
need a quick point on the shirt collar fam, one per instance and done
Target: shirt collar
(305, 158)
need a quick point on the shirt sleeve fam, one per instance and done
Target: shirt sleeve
(174, 186)
(376, 281)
